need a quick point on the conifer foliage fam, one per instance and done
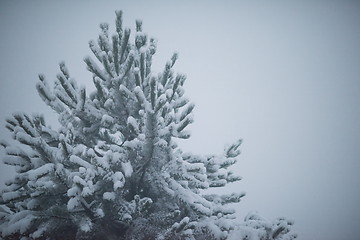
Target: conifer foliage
(113, 169)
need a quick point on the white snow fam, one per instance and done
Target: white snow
(119, 180)
(39, 232)
(107, 120)
(109, 103)
(25, 138)
(72, 192)
(73, 203)
(86, 225)
(87, 191)
(132, 122)
(79, 180)
(34, 174)
(109, 196)
(7, 196)
(77, 160)
(99, 212)
(127, 168)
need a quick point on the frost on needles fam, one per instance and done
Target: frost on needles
(113, 169)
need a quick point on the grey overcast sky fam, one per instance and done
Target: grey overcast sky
(282, 75)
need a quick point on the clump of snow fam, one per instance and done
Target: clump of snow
(107, 120)
(77, 160)
(34, 174)
(99, 212)
(8, 196)
(119, 180)
(20, 222)
(109, 196)
(127, 168)
(73, 203)
(86, 225)
(109, 103)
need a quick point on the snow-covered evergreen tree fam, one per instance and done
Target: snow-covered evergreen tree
(113, 170)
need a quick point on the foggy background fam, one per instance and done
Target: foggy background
(282, 75)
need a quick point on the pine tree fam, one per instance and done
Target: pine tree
(113, 169)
